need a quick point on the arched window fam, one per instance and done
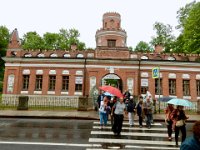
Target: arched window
(53, 55)
(66, 55)
(27, 55)
(79, 56)
(40, 55)
(144, 57)
(171, 58)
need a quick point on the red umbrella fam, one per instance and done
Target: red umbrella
(111, 90)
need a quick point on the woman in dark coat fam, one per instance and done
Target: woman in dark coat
(177, 115)
(139, 112)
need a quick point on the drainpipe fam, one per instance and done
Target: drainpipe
(84, 89)
(139, 79)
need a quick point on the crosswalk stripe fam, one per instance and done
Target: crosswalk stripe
(134, 128)
(50, 144)
(151, 147)
(131, 134)
(138, 147)
(128, 141)
(137, 138)
(126, 123)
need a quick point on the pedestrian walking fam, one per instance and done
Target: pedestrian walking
(127, 95)
(148, 110)
(118, 111)
(179, 117)
(193, 142)
(139, 112)
(112, 103)
(100, 98)
(130, 108)
(103, 112)
(168, 120)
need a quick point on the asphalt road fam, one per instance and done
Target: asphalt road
(42, 134)
(49, 134)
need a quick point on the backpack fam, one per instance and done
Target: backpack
(130, 107)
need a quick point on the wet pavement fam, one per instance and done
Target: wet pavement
(134, 137)
(72, 114)
(60, 134)
(78, 130)
(34, 134)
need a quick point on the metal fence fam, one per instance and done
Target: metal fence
(41, 101)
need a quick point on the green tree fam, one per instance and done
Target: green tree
(142, 47)
(163, 36)
(183, 14)
(51, 41)
(70, 37)
(191, 33)
(178, 44)
(4, 40)
(32, 40)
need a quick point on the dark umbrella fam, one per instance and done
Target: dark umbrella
(165, 98)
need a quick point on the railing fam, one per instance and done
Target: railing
(41, 101)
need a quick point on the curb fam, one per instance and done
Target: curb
(72, 117)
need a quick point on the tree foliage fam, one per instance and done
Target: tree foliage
(191, 33)
(4, 40)
(53, 41)
(163, 37)
(32, 40)
(142, 47)
(183, 14)
(4, 37)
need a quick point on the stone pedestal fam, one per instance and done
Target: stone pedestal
(23, 103)
(198, 106)
(84, 103)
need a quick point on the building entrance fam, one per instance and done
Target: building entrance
(112, 80)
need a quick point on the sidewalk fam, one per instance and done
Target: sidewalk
(71, 114)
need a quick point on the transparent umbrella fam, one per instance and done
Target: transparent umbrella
(180, 102)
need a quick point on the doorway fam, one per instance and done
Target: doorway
(112, 80)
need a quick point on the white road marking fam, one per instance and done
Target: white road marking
(51, 144)
(131, 134)
(126, 123)
(151, 147)
(134, 128)
(128, 141)
(139, 147)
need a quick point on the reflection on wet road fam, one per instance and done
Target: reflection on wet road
(45, 132)
(133, 137)
(51, 134)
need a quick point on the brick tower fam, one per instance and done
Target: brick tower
(111, 38)
(111, 34)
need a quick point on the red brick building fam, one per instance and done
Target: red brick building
(73, 73)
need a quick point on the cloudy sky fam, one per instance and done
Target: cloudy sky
(137, 16)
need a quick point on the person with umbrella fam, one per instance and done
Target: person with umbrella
(118, 111)
(178, 116)
(168, 120)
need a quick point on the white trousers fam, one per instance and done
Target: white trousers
(131, 118)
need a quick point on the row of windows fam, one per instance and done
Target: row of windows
(55, 55)
(51, 83)
(172, 87)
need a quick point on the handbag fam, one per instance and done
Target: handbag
(180, 123)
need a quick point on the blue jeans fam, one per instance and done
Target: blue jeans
(103, 118)
(148, 121)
